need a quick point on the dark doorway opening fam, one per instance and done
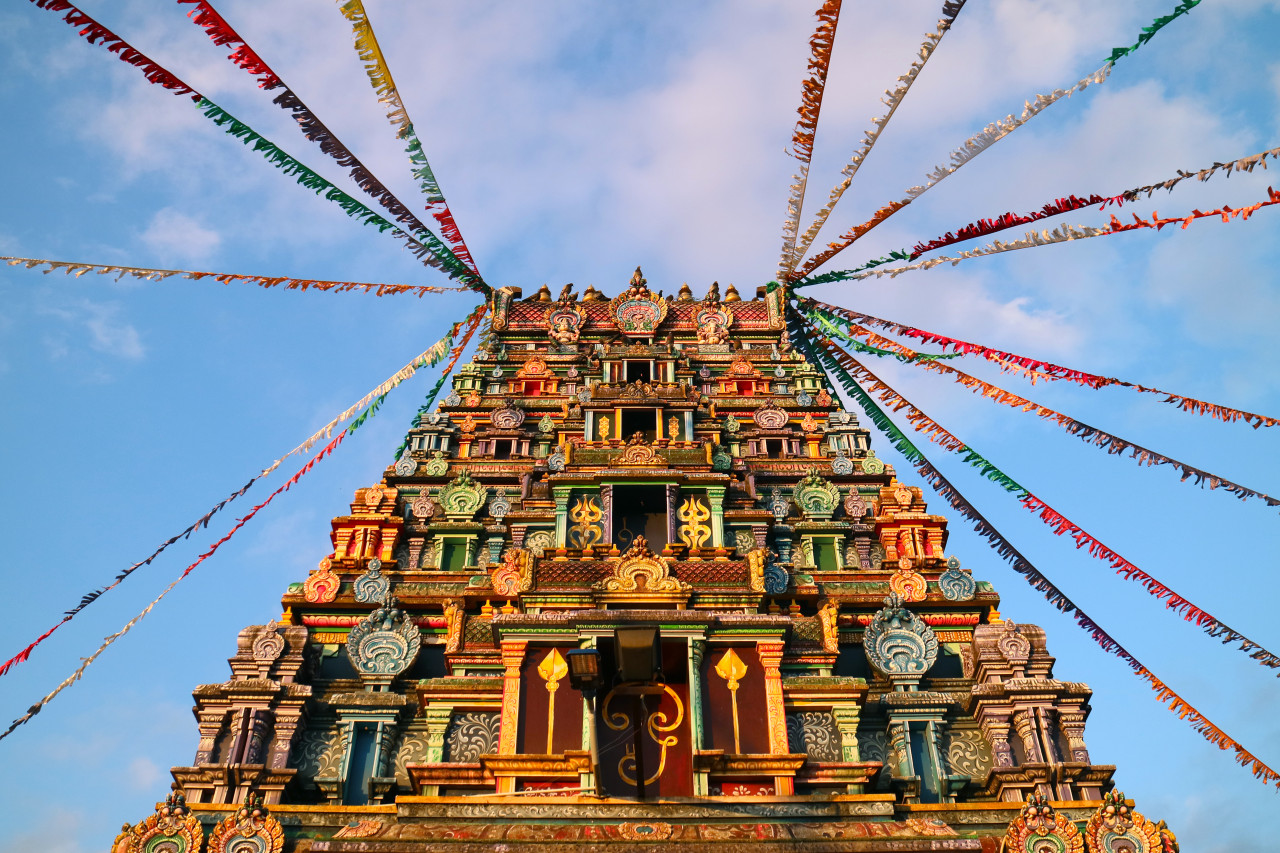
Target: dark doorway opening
(774, 448)
(640, 511)
(639, 370)
(643, 421)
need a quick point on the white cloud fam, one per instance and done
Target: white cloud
(106, 331)
(143, 774)
(57, 833)
(175, 235)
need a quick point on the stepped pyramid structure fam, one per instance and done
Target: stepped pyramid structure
(639, 581)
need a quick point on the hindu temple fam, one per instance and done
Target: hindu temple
(640, 581)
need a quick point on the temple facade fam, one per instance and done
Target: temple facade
(640, 580)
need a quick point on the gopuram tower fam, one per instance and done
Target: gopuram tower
(639, 580)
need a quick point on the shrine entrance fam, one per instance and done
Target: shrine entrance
(640, 511)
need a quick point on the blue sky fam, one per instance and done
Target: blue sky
(575, 142)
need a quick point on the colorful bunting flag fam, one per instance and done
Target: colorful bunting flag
(384, 85)
(892, 99)
(1113, 444)
(77, 269)
(424, 245)
(1032, 368)
(1020, 564)
(802, 138)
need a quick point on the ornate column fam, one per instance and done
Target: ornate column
(770, 652)
(606, 514)
(715, 495)
(438, 717)
(996, 730)
(287, 722)
(210, 723)
(900, 751)
(673, 499)
(1072, 724)
(512, 657)
(1025, 723)
(847, 717)
(561, 494)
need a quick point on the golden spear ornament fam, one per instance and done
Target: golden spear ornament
(552, 669)
(732, 669)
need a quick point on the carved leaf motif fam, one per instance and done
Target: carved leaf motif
(470, 736)
(873, 745)
(319, 753)
(412, 750)
(968, 754)
(815, 733)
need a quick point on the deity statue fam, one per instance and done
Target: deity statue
(712, 332)
(563, 332)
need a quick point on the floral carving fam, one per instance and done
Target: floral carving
(909, 584)
(269, 645)
(815, 733)
(322, 586)
(462, 497)
(437, 466)
(955, 583)
(816, 497)
(471, 735)
(1039, 827)
(251, 829)
(385, 643)
(514, 574)
(172, 829)
(640, 570)
(637, 452)
(1013, 646)
(373, 585)
(899, 644)
(636, 311)
(1116, 828)
(510, 416)
(769, 416)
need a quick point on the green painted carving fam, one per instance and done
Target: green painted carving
(462, 497)
(816, 497)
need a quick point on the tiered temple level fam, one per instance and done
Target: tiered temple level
(829, 674)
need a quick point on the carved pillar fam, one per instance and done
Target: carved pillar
(697, 648)
(512, 658)
(287, 721)
(415, 553)
(847, 717)
(715, 494)
(770, 652)
(1072, 723)
(438, 717)
(673, 497)
(900, 750)
(1025, 723)
(561, 495)
(259, 732)
(606, 514)
(210, 722)
(996, 730)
